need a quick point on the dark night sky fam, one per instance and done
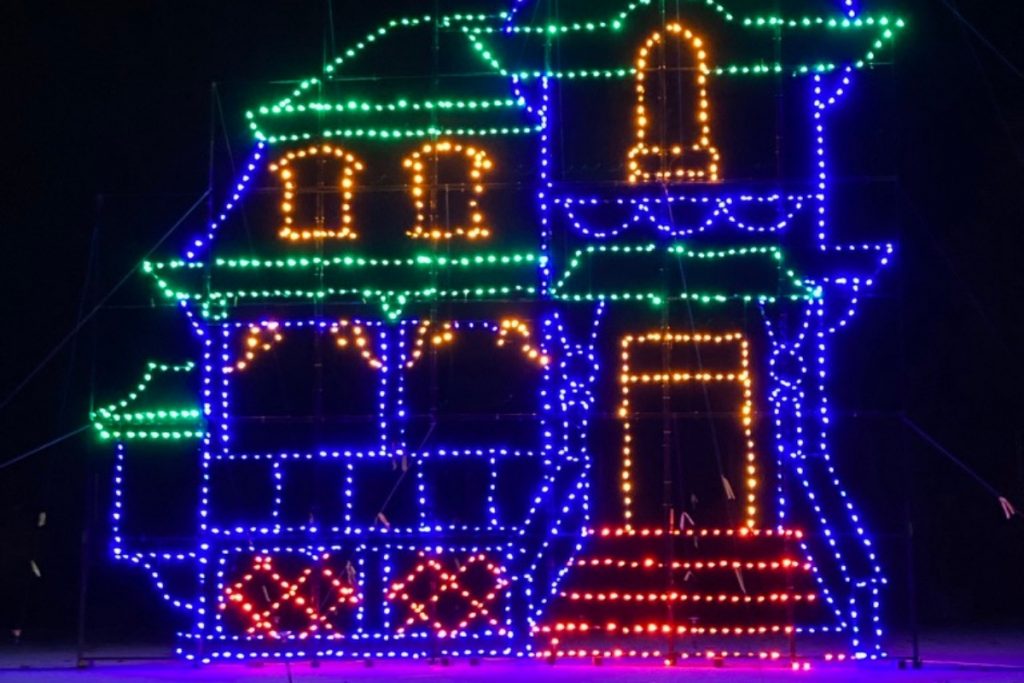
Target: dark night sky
(113, 98)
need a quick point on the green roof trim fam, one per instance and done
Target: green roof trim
(361, 104)
(499, 49)
(127, 420)
(392, 283)
(675, 272)
(593, 273)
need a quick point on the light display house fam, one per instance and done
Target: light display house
(513, 339)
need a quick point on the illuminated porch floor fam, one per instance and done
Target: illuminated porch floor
(949, 656)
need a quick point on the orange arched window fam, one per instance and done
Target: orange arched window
(427, 188)
(673, 113)
(322, 172)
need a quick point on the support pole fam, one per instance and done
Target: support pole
(92, 489)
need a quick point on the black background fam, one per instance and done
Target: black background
(114, 99)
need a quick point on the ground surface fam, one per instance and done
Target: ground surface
(995, 658)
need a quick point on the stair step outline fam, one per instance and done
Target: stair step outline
(652, 592)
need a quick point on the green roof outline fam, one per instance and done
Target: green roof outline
(356, 278)
(122, 420)
(789, 285)
(488, 43)
(351, 278)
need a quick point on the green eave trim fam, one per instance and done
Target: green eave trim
(657, 273)
(398, 119)
(640, 272)
(391, 283)
(306, 113)
(141, 416)
(824, 43)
